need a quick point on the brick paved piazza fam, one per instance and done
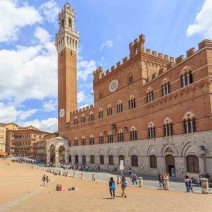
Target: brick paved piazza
(21, 190)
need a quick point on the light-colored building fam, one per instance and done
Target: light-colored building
(150, 110)
(2, 139)
(21, 140)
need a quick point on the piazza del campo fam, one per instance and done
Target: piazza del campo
(149, 127)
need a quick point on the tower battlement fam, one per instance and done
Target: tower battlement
(137, 46)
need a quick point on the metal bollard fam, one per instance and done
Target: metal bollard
(205, 186)
(118, 179)
(93, 177)
(166, 183)
(140, 182)
(81, 175)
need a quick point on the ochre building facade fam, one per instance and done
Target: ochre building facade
(150, 110)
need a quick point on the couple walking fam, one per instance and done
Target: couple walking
(112, 187)
(45, 180)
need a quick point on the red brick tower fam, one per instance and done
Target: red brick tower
(67, 40)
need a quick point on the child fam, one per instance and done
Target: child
(112, 187)
(123, 186)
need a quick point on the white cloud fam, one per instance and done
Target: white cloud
(50, 11)
(47, 125)
(85, 68)
(203, 21)
(107, 44)
(9, 113)
(81, 97)
(29, 72)
(50, 105)
(42, 35)
(14, 17)
(26, 114)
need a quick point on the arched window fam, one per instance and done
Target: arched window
(134, 161)
(70, 22)
(92, 159)
(75, 141)
(189, 123)
(167, 127)
(130, 79)
(102, 159)
(91, 116)
(132, 103)
(101, 138)
(192, 162)
(119, 106)
(83, 118)
(91, 140)
(83, 141)
(62, 23)
(186, 77)
(149, 95)
(111, 162)
(133, 134)
(109, 110)
(120, 136)
(100, 113)
(75, 120)
(153, 162)
(110, 137)
(151, 130)
(166, 88)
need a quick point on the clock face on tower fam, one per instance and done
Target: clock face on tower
(113, 85)
(61, 113)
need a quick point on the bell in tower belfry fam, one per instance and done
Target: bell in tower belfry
(67, 40)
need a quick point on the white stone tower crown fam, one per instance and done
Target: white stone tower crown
(67, 37)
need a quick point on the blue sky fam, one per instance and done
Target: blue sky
(28, 58)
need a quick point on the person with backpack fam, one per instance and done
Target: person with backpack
(190, 184)
(112, 187)
(123, 186)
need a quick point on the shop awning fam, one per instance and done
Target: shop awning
(3, 153)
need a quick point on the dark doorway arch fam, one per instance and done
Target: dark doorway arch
(84, 160)
(121, 157)
(76, 159)
(170, 165)
(52, 154)
(61, 151)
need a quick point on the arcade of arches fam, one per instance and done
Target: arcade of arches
(150, 158)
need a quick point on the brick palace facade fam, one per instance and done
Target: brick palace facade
(150, 110)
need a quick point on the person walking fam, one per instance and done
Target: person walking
(47, 180)
(44, 179)
(112, 187)
(123, 186)
(187, 184)
(190, 185)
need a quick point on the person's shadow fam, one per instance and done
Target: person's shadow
(111, 198)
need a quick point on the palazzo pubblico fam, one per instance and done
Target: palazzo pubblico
(150, 110)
